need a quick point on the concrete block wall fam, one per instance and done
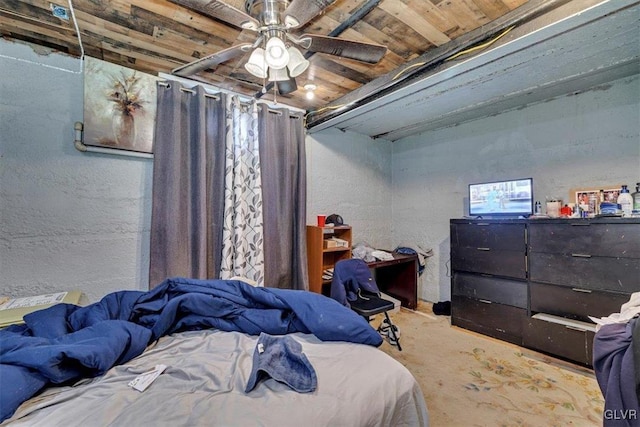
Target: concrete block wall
(68, 220)
(350, 174)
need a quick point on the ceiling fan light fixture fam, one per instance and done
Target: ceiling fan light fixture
(297, 62)
(276, 53)
(256, 64)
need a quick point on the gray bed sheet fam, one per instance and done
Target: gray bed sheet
(203, 385)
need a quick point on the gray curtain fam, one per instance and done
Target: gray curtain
(188, 184)
(283, 165)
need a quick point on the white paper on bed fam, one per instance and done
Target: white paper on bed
(204, 382)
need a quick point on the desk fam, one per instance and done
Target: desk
(398, 278)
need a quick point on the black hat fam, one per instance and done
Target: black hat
(334, 219)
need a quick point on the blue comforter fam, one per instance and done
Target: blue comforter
(67, 342)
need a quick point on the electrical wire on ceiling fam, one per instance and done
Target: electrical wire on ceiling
(75, 24)
(320, 110)
(462, 52)
(481, 46)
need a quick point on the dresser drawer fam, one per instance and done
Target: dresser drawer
(496, 262)
(560, 340)
(585, 238)
(505, 237)
(503, 291)
(496, 320)
(575, 303)
(594, 273)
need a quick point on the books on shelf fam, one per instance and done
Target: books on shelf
(327, 274)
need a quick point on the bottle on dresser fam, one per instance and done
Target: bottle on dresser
(625, 201)
(636, 200)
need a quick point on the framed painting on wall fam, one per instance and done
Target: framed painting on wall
(119, 107)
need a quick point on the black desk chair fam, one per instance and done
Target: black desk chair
(353, 285)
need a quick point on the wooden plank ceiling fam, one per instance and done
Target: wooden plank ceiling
(156, 36)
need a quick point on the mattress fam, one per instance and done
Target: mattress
(204, 384)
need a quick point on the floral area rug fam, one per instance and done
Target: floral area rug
(472, 380)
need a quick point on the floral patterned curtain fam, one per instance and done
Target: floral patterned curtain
(242, 247)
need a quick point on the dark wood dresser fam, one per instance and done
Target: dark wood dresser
(535, 282)
(489, 280)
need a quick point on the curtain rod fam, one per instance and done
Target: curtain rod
(184, 89)
(213, 89)
(242, 101)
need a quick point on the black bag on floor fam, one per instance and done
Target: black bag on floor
(442, 308)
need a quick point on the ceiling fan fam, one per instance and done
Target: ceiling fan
(274, 55)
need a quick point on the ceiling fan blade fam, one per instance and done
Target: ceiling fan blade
(222, 11)
(299, 12)
(211, 61)
(360, 51)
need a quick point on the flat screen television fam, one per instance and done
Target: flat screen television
(510, 198)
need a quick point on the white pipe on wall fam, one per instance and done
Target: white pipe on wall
(78, 127)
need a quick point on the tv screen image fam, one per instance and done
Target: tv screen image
(501, 198)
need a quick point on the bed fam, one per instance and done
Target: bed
(210, 362)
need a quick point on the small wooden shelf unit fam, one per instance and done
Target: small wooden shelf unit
(320, 258)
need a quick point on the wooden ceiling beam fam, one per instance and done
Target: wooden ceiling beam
(423, 27)
(189, 18)
(107, 29)
(184, 32)
(53, 32)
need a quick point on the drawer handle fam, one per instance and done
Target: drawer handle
(586, 291)
(581, 255)
(580, 224)
(484, 249)
(485, 301)
(482, 223)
